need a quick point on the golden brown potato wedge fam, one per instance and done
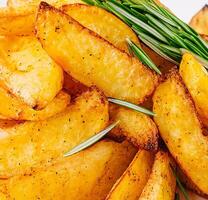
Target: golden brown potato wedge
(17, 21)
(88, 175)
(12, 108)
(91, 59)
(195, 77)
(33, 144)
(105, 24)
(136, 127)
(161, 184)
(28, 72)
(200, 21)
(133, 180)
(181, 129)
(57, 3)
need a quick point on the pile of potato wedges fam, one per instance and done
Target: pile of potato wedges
(60, 60)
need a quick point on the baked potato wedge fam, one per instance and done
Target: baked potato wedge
(87, 175)
(195, 78)
(17, 21)
(28, 72)
(131, 183)
(91, 59)
(136, 127)
(57, 3)
(181, 129)
(200, 21)
(105, 24)
(162, 182)
(30, 145)
(12, 108)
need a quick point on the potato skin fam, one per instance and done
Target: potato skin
(161, 184)
(91, 59)
(28, 72)
(87, 175)
(133, 180)
(200, 21)
(181, 129)
(136, 127)
(102, 22)
(195, 78)
(26, 146)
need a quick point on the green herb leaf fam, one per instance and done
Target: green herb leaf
(131, 106)
(91, 140)
(143, 57)
(177, 197)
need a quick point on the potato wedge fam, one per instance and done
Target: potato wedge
(105, 24)
(28, 72)
(133, 180)
(181, 129)
(17, 21)
(136, 127)
(91, 59)
(57, 3)
(200, 21)
(195, 77)
(12, 108)
(87, 175)
(33, 144)
(161, 184)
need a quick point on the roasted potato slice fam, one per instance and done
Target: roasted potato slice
(33, 144)
(136, 127)
(181, 129)
(87, 175)
(133, 180)
(91, 59)
(28, 72)
(17, 21)
(200, 21)
(161, 184)
(57, 3)
(12, 108)
(195, 77)
(105, 24)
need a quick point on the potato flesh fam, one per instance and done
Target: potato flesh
(92, 60)
(200, 21)
(87, 175)
(12, 108)
(28, 72)
(103, 23)
(162, 182)
(37, 144)
(133, 180)
(136, 127)
(195, 77)
(181, 130)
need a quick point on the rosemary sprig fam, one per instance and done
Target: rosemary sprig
(131, 106)
(143, 57)
(91, 140)
(177, 197)
(158, 28)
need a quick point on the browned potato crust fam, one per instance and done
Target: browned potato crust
(17, 21)
(37, 144)
(200, 21)
(88, 175)
(12, 108)
(91, 59)
(133, 180)
(105, 24)
(195, 77)
(181, 129)
(161, 184)
(28, 72)
(136, 127)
